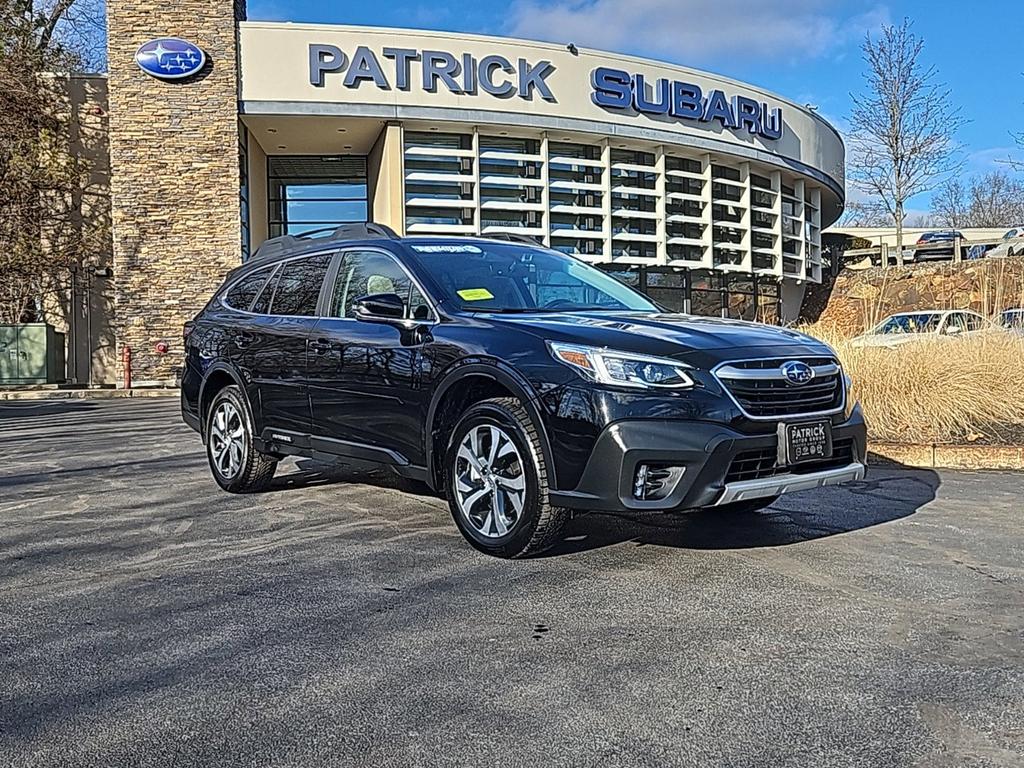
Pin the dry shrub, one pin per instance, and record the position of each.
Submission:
(939, 391)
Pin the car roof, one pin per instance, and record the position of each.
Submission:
(285, 247)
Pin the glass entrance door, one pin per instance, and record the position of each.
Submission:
(308, 193)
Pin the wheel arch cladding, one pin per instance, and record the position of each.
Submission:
(468, 384)
(217, 379)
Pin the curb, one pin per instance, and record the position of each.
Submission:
(86, 394)
(998, 457)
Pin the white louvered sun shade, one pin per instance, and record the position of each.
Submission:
(613, 203)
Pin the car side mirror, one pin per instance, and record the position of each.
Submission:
(380, 308)
(954, 330)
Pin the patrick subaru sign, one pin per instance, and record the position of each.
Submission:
(616, 89)
(613, 90)
(170, 58)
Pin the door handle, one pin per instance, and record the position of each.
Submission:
(321, 346)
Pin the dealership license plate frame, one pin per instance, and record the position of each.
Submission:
(791, 454)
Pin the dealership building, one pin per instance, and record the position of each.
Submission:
(708, 194)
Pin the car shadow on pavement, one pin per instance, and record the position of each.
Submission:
(884, 496)
(314, 473)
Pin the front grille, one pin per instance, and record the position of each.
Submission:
(761, 462)
(763, 393)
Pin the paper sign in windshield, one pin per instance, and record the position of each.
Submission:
(475, 294)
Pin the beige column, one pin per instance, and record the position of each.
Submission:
(386, 178)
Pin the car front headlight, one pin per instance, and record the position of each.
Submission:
(623, 369)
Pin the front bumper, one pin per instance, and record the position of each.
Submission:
(716, 463)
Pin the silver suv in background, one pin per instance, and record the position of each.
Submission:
(907, 327)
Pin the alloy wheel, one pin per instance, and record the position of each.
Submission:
(227, 440)
(490, 481)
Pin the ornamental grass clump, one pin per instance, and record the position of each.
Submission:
(940, 391)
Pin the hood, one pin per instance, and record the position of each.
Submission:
(659, 334)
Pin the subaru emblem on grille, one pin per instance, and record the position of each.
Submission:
(797, 372)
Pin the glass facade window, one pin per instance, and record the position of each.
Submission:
(768, 307)
(668, 288)
(243, 190)
(613, 203)
(312, 193)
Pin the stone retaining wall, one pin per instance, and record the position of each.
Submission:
(861, 299)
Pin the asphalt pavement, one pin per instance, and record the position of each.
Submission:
(149, 619)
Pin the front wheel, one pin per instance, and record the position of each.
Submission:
(236, 464)
(497, 481)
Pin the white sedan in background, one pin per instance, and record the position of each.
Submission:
(907, 327)
(1012, 244)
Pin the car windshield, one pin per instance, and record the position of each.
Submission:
(923, 323)
(500, 277)
(1013, 319)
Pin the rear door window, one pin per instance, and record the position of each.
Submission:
(298, 286)
(241, 294)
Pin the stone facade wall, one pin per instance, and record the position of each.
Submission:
(861, 299)
(174, 160)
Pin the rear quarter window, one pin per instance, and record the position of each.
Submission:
(298, 286)
(242, 293)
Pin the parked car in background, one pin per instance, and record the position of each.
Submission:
(938, 244)
(1012, 244)
(1012, 320)
(907, 327)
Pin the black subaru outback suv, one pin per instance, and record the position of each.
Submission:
(518, 381)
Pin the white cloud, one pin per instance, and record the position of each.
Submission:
(992, 159)
(697, 30)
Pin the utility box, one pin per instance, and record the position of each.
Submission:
(31, 353)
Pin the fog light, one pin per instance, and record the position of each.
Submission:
(653, 482)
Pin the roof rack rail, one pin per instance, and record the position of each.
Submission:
(368, 231)
(513, 237)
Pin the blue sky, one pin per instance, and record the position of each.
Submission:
(806, 50)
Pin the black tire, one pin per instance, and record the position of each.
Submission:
(747, 507)
(538, 525)
(251, 471)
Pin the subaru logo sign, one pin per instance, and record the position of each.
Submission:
(170, 58)
(797, 373)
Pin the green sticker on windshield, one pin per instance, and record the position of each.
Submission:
(475, 294)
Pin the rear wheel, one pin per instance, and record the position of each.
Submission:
(236, 465)
(747, 507)
(497, 481)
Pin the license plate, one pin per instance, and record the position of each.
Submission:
(806, 441)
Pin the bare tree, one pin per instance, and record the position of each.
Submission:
(44, 186)
(993, 200)
(67, 34)
(865, 213)
(902, 126)
(950, 204)
(997, 200)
